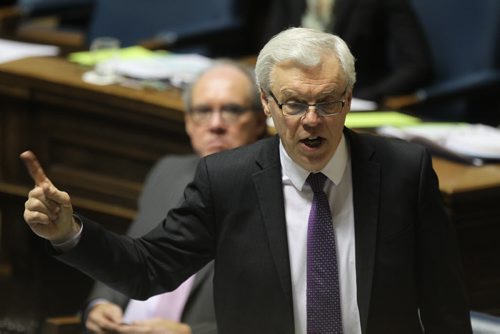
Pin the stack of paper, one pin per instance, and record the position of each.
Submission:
(90, 58)
(177, 69)
(375, 119)
(11, 50)
(140, 64)
(473, 143)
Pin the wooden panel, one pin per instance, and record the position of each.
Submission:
(472, 196)
(63, 325)
(95, 142)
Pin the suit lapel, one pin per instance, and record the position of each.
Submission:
(269, 190)
(366, 192)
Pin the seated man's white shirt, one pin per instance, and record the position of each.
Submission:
(169, 305)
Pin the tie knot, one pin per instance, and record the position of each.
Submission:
(316, 181)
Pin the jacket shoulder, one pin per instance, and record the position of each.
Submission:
(260, 153)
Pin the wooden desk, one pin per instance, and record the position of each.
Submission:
(472, 196)
(95, 142)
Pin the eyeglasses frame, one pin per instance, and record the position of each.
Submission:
(192, 113)
(280, 106)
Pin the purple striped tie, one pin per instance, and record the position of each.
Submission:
(323, 292)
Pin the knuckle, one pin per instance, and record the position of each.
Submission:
(34, 192)
(65, 196)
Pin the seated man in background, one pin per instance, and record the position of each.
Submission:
(223, 111)
(385, 37)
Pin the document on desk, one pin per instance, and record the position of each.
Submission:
(470, 143)
(137, 66)
(375, 119)
(362, 105)
(12, 50)
(90, 58)
(178, 69)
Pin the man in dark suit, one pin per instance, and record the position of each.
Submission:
(227, 86)
(385, 37)
(392, 258)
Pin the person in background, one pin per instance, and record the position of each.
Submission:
(223, 111)
(385, 36)
(319, 229)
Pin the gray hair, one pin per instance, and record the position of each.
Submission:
(304, 46)
(253, 95)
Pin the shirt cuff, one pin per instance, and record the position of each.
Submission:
(91, 305)
(68, 245)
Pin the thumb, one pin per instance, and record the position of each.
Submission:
(62, 201)
(60, 197)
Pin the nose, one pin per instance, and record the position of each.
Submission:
(216, 119)
(311, 117)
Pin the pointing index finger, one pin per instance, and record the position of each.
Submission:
(34, 168)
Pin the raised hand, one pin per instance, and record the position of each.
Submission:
(48, 211)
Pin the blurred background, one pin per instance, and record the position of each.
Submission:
(436, 61)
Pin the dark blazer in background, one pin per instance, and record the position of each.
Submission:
(406, 255)
(163, 190)
(392, 54)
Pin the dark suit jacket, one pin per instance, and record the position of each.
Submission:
(385, 37)
(163, 190)
(406, 255)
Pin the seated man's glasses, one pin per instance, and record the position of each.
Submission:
(296, 108)
(230, 113)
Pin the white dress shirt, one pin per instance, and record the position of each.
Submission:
(298, 198)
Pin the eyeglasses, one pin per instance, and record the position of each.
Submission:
(295, 108)
(230, 113)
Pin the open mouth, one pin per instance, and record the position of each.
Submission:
(312, 142)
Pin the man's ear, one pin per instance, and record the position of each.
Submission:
(265, 103)
(348, 100)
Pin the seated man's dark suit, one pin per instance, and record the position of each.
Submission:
(406, 257)
(392, 55)
(163, 190)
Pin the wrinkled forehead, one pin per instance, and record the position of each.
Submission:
(328, 71)
(225, 84)
(225, 74)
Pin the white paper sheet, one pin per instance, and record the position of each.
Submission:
(467, 140)
(12, 50)
(362, 105)
(178, 69)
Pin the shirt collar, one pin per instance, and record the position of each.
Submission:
(334, 169)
